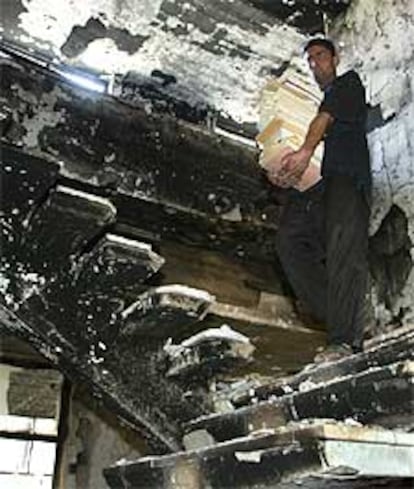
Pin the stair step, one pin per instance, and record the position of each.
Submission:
(375, 393)
(105, 279)
(62, 227)
(397, 345)
(121, 264)
(165, 311)
(298, 452)
(208, 352)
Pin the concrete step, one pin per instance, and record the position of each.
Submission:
(378, 392)
(298, 453)
(395, 346)
(161, 311)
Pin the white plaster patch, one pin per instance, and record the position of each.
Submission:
(229, 83)
(225, 332)
(46, 117)
(52, 22)
(379, 40)
(4, 284)
(105, 56)
(249, 457)
(382, 192)
(234, 215)
(31, 283)
(4, 290)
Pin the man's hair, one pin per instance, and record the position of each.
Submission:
(321, 41)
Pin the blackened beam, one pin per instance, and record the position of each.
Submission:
(55, 349)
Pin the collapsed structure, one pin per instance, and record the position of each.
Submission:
(138, 259)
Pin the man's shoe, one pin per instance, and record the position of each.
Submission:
(332, 353)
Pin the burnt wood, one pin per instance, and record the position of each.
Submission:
(180, 168)
(372, 394)
(206, 354)
(392, 347)
(164, 311)
(65, 280)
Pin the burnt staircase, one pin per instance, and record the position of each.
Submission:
(87, 297)
(91, 190)
(342, 425)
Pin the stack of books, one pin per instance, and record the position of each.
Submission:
(287, 106)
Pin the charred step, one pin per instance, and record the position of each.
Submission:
(298, 453)
(163, 311)
(366, 397)
(207, 353)
(392, 347)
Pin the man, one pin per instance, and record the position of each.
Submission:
(323, 235)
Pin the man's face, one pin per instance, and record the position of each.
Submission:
(322, 64)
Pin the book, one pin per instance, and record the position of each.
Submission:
(287, 107)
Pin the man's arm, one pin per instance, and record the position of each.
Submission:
(295, 163)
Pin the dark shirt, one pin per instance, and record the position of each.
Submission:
(346, 149)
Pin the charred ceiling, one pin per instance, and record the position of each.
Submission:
(82, 36)
(218, 53)
(309, 16)
(212, 56)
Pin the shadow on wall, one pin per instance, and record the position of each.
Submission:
(390, 259)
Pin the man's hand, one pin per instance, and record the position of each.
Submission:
(293, 166)
(273, 166)
(274, 179)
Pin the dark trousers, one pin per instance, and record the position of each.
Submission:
(322, 244)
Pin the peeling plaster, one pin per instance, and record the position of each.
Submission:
(47, 117)
(229, 84)
(81, 36)
(52, 22)
(225, 64)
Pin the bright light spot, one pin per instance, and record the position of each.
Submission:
(84, 82)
